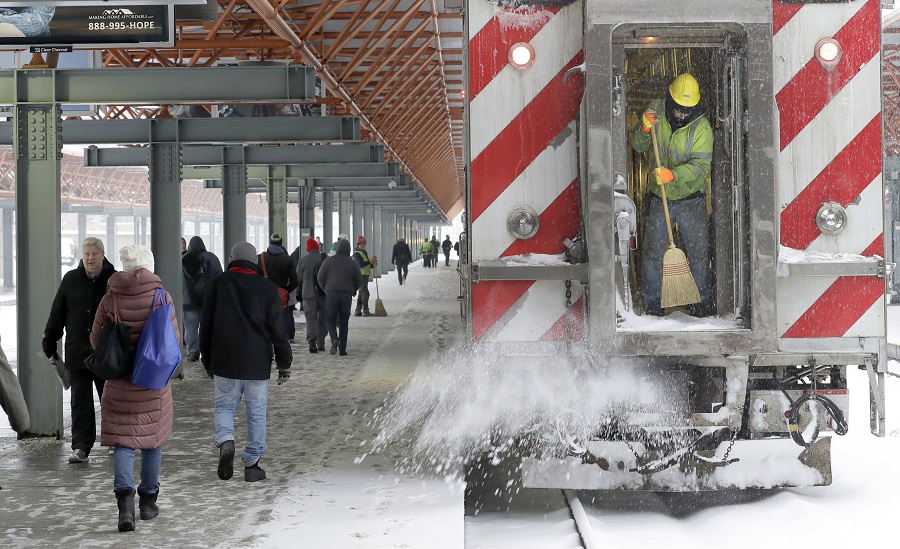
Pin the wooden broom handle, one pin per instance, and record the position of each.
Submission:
(662, 188)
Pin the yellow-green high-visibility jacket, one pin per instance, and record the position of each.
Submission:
(688, 153)
(426, 247)
(365, 267)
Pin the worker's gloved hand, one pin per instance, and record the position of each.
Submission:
(663, 175)
(648, 120)
(284, 376)
(374, 260)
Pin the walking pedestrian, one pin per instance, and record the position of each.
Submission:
(446, 246)
(241, 328)
(426, 253)
(339, 277)
(12, 401)
(73, 310)
(401, 257)
(277, 266)
(134, 418)
(313, 296)
(198, 267)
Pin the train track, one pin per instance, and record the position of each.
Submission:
(501, 514)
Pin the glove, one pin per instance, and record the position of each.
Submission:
(374, 260)
(284, 376)
(49, 348)
(648, 120)
(663, 175)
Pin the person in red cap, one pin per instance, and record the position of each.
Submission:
(313, 295)
(365, 270)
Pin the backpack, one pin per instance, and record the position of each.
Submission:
(197, 284)
(282, 292)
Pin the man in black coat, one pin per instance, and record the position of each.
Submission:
(277, 266)
(241, 326)
(313, 295)
(73, 311)
(340, 278)
(446, 245)
(401, 257)
(198, 267)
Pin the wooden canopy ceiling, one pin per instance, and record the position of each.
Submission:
(397, 64)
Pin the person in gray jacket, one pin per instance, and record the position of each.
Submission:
(339, 277)
(313, 295)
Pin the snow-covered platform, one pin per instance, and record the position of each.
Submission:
(318, 493)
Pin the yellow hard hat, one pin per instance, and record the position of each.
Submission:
(685, 90)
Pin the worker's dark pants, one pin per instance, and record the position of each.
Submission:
(81, 398)
(402, 271)
(693, 226)
(290, 327)
(362, 302)
(446, 259)
(337, 317)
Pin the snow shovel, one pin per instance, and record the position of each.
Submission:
(678, 286)
(379, 305)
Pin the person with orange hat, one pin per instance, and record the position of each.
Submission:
(685, 141)
(361, 256)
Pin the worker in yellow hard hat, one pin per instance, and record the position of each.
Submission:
(685, 139)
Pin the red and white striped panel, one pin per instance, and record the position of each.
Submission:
(522, 154)
(830, 150)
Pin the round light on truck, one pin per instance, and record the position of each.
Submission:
(831, 218)
(828, 52)
(522, 223)
(521, 55)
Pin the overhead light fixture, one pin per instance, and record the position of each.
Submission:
(521, 55)
(828, 52)
(831, 218)
(392, 184)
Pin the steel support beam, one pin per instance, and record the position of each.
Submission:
(165, 216)
(277, 197)
(344, 214)
(380, 174)
(369, 227)
(358, 215)
(234, 208)
(221, 155)
(204, 130)
(160, 85)
(327, 219)
(37, 151)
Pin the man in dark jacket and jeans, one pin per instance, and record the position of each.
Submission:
(313, 296)
(198, 267)
(73, 310)
(339, 277)
(241, 324)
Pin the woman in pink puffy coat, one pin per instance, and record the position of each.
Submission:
(133, 417)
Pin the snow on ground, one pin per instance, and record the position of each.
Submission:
(347, 498)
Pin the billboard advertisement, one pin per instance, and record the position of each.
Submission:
(119, 26)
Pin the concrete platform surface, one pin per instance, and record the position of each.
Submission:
(318, 493)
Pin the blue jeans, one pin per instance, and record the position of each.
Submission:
(337, 317)
(123, 469)
(693, 226)
(192, 331)
(256, 400)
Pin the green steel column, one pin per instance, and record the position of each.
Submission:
(277, 195)
(369, 231)
(37, 148)
(344, 207)
(234, 207)
(377, 246)
(8, 247)
(358, 213)
(110, 243)
(327, 220)
(165, 215)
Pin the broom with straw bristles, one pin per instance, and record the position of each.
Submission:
(379, 305)
(678, 286)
